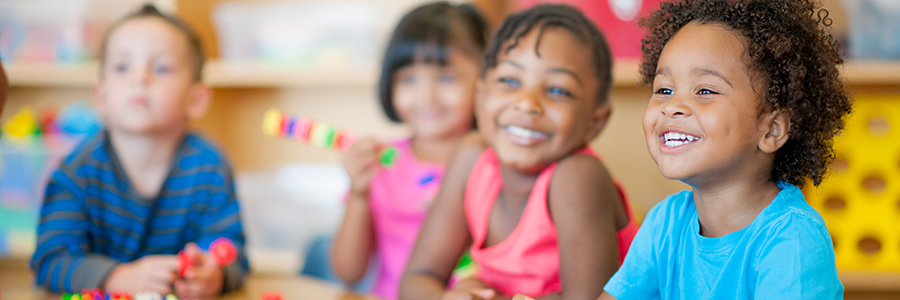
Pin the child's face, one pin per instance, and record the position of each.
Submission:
(148, 84)
(436, 101)
(702, 121)
(535, 108)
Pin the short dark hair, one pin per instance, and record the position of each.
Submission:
(794, 57)
(519, 24)
(426, 33)
(148, 10)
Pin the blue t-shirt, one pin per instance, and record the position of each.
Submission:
(785, 253)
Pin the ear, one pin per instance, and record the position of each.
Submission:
(100, 99)
(775, 126)
(598, 121)
(199, 101)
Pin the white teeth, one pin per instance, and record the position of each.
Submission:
(525, 133)
(675, 139)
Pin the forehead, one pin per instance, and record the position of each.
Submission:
(706, 46)
(150, 34)
(556, 46)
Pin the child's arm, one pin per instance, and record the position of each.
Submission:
(583, 204)
(445, 233)
(221, 218)
(62, 261)
(355, 240)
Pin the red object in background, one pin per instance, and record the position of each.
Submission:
(223, 251)
(617, 19)
(270, 296)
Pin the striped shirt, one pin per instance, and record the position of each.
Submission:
(92, 218)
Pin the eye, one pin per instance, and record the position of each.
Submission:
(161, 69)
(446, 78)
(664, 91)
(706, 92)
(555, 91)
(408, 79)
(509, 82)
(120, 68)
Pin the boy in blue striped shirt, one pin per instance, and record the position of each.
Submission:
(127, 200)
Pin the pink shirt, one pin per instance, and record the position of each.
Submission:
(526, 261)
(399, 198)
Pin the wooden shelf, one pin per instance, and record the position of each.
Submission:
(872, 72)
(255, 75)
(869, 280)
(82, 74)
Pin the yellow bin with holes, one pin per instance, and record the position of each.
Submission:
(860, 198)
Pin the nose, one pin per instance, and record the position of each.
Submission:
(676, 107)
(529, 103)
(141, 76)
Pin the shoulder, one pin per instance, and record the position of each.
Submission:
(468, 151)
(582, 167)
(197, 151)
(91, 151)
(790, 215)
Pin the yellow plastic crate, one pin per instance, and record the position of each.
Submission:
(860, 198)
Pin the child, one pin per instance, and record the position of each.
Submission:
(540, 210)
(427, 81)
(128, 199)
(4, 87)
(746, 100)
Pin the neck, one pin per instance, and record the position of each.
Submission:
(145, 158)
(728, 207)
(517, 186)
(435, 149)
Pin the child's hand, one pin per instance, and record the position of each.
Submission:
(361, 163)
(471, 289)
(154, 273)
(204, 279)
(469, 294)
(522, 297)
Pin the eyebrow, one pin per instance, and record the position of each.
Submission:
(704, 72)
(565, 71)
(514, 64)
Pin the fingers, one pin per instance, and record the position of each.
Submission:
(483, 293)
(361, 164)
(522, 297)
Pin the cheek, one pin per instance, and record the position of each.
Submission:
(651, 114)
(403, 101)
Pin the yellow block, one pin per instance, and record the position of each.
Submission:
(860, 198)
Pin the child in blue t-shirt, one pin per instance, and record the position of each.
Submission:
(746, 101)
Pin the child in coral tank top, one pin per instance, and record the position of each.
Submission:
(543, 215)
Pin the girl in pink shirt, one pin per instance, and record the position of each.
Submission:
(427, 81)
(543, 216)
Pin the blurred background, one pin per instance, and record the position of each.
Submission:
(320, 59)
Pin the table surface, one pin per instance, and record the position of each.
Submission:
(16, 284)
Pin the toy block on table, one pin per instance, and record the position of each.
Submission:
(270, 296)
(222, 250)
(321, 135)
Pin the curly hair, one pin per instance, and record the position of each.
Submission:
(517, 25)
(794, 57)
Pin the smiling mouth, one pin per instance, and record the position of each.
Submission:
(675, 139)
(526, 133)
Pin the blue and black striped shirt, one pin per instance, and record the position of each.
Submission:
(92, 218)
